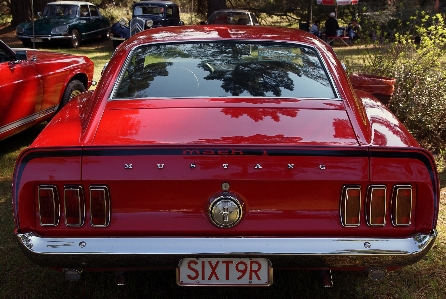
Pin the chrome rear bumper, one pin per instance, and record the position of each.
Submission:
(146, 253)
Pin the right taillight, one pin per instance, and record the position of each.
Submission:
(402, 205)
(99, 206)
(350, 206)
(49, 206)
(376, 206)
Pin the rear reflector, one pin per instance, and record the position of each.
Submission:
(99, 206)
(376, 206)
(350, 206)
(74, 206)
(402, 205)
(49, 206)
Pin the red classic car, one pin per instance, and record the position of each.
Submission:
(36, 84)
(225, 152)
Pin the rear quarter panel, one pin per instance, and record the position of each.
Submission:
(59, 69)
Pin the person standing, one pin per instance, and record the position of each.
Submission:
(315, 28)
(331, 26)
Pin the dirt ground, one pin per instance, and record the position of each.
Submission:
(7, 35)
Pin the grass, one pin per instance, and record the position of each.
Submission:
(21, 279)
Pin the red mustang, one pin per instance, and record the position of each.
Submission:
(35, 84)
(224, 152)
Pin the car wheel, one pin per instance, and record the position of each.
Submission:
(75, 38)
(74, 88)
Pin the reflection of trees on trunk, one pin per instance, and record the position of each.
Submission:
(253, 139)
(260, 114)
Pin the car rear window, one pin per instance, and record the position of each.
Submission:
(223, 69)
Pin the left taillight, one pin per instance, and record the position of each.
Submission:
(49, 205)
(74, 203)
(351, 206)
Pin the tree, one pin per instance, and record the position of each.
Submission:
(21, 11)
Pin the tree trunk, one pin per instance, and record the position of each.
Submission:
(214, 5)
(21, 11)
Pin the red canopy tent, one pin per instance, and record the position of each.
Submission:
(337, 2)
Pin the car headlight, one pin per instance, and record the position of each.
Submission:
(20, 29)
(60, 30)
(149, 23)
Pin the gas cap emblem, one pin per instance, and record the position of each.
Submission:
(225, 211)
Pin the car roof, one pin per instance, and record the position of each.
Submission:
(225, 31)
(155, 2)
(71, 3)
(233, 10)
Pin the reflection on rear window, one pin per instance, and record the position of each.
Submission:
(222, 69)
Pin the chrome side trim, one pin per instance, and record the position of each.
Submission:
(30, 118)
(146, 252)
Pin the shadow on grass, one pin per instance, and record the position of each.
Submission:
(20, 140)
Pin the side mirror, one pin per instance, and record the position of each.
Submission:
(21, 55)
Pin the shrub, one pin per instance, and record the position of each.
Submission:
(415, 59)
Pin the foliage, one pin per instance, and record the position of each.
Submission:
(414, 60)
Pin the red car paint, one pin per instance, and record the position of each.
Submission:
(286, 161)
(31, 89)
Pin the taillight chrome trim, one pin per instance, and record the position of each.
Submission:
(345, 202)
(107, 208)
(369, 205)
(394, 203)
(80, 204)
(56, 204)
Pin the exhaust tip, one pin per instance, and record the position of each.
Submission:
(377, 274)
(326, 278)
(73, 274)
(120, 279)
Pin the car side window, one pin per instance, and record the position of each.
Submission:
(84, 11)
(4, 56)
(94, 11)
(169, 12)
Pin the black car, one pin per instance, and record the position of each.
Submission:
(67, 21)
(233, 17)
(145, 15)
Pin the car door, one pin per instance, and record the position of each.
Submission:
(21, 91)
(86, 25)
(99, 24)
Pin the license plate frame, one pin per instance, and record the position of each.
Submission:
(227, 271)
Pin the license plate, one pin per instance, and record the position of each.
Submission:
(224, 271)
(36, 40)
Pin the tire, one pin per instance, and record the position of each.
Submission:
(74, 88)
(75, 38)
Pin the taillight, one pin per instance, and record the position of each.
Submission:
(376, 206)
(402, 205)
(350, 206)
(49, 206)
(99, 206)
(74, 206)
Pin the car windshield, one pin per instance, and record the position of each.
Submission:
(234, 18)
(66, 11)
(148, 10)
(223, 69)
